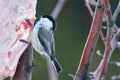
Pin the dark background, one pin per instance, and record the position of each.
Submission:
(73, 25)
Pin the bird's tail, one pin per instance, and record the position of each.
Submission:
(56, 65)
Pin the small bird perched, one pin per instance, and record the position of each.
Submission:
(43, 39)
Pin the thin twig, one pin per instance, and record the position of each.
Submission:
(58, 8)
(109, 46)
(92, 14)
(89, 8)
(115, 77)
(113, 43)
(116, 63)
(52, 74)
(108, 37)
(117, 10)
(82, 70)
(99, 54)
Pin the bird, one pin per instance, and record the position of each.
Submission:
(43, 40)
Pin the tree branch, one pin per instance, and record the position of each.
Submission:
(58, 8)
(54, 14)
(100, 72)
(81, 73)
(24, 68)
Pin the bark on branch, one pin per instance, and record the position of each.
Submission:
(81, 73)
(24, 68)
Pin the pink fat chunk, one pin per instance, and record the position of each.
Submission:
(9, 54)
(17, 28)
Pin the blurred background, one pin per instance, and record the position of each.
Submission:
(73, 25)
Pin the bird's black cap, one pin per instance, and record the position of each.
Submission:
(51, 19)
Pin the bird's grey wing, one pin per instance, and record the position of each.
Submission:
(47, 40)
